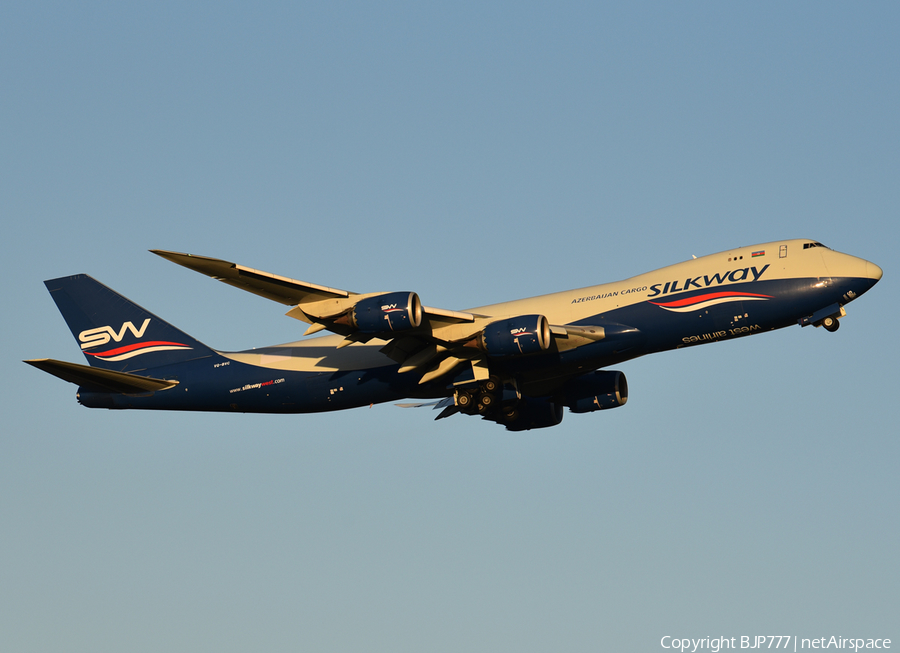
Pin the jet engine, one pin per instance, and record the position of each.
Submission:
(395, 311)
(524, 334)
(595, 391)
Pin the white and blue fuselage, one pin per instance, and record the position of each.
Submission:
(451, 355)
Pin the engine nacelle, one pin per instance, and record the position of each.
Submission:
(395, 311)
(596, 391)
(524, 334)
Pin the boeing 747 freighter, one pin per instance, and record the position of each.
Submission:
(519, 363)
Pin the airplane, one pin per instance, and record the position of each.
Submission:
(519, 363)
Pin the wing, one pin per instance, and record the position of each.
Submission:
(431, 341)
(271, 286)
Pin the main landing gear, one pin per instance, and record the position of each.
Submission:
(490, 397)
(477, 401)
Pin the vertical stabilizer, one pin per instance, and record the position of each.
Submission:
(114, 333)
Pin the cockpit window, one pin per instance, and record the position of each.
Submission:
(808, 245)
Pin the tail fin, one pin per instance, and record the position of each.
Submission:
(115, 333)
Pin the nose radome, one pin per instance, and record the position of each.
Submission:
(873, 271)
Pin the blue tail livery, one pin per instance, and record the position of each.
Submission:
(115, 333)
(519, 363)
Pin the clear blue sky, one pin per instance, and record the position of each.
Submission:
(473, 153)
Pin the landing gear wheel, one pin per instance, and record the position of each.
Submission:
(491, 385)
(485, 402)
(831, 324)
(464, 400)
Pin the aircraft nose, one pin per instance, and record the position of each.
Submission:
(873, 271)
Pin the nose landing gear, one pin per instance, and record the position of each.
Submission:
(831, 324)
(827, 317)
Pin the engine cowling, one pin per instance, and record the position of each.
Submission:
(595, 391)
(516, 336)
(395, 311)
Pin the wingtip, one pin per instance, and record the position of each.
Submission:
(193, 261)
(167, 254)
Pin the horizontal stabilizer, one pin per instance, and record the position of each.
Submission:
(101, 380)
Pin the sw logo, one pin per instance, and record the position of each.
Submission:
(102, 335)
